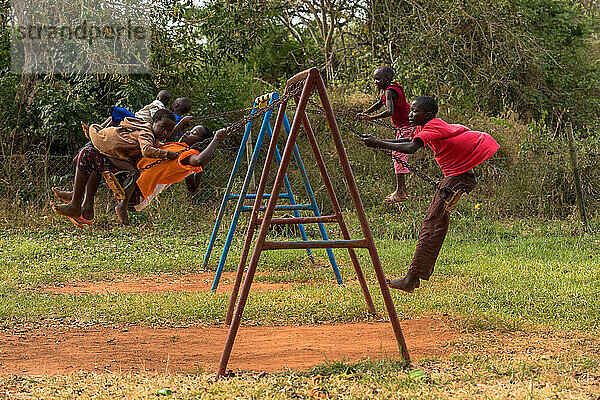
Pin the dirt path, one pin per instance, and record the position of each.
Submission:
(136, 348)
(159, 284)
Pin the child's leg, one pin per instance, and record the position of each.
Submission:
(401, 193)
(87, 207)
(435, 225)
(401, 190)
(73, 208)
(121, 208)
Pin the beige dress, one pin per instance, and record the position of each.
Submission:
(130, 141)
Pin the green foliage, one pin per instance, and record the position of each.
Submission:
(516, 69)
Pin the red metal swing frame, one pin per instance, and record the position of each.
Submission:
(312, 80)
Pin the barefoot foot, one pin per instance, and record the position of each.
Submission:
(67, 210)
(409, 283)
(87, 212)
(62, 194)
(121, 211)
(395, 197)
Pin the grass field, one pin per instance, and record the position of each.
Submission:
(524, 296)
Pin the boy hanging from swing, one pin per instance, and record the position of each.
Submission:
(180, 107)
(397, 108)
(193, 152)
(457, 150)
(124, 146)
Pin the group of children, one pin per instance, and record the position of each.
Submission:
(457, 150)
(129, 142)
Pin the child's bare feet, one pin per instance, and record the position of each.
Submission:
(87, 211)
(121, 211)
(409, 283)
(67, 210)
(62, 194)
(396, 197)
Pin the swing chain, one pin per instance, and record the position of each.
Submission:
(413, 169)
(223, 114)
(152, 164)
(405, 164)
(371, 121)
(291, 91)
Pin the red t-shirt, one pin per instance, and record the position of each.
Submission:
(457, 149)
(401, 106)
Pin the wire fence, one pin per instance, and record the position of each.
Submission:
(509, 185)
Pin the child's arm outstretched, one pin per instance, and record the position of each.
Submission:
(408, 146)
(202, 158)
(390, 96)
(181, 125)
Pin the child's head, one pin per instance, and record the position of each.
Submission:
(422, 110)
(163, 122)
(164, 96)
(197, 134)
(181, 106)
(383, 76)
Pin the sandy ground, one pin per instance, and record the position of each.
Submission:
(60, 350)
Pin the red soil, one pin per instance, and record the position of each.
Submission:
(159, 284)
(60, 350)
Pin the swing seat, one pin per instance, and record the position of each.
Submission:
(114, 185)
(453, 200)
(119, 182)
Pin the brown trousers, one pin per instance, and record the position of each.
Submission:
(435, 224)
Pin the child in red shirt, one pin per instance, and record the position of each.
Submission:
(397, 108)
(457, 150)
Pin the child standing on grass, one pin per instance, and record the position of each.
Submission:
(124, 146)
(457, 150)
(397, 108)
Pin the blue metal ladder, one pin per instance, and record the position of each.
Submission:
(240, 207)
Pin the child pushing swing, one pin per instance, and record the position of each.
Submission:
(397, 108)
(457, 151)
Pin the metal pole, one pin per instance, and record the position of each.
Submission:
(255, 210)
(362, 217)
(227, 195)
(264, 228)
(576, 175)
(313, 202)
(338, 212)
(241, 199)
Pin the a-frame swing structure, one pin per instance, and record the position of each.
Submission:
(265, 131)
(306, 81)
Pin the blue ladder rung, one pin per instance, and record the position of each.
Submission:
(308, 207)
(265, 196)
